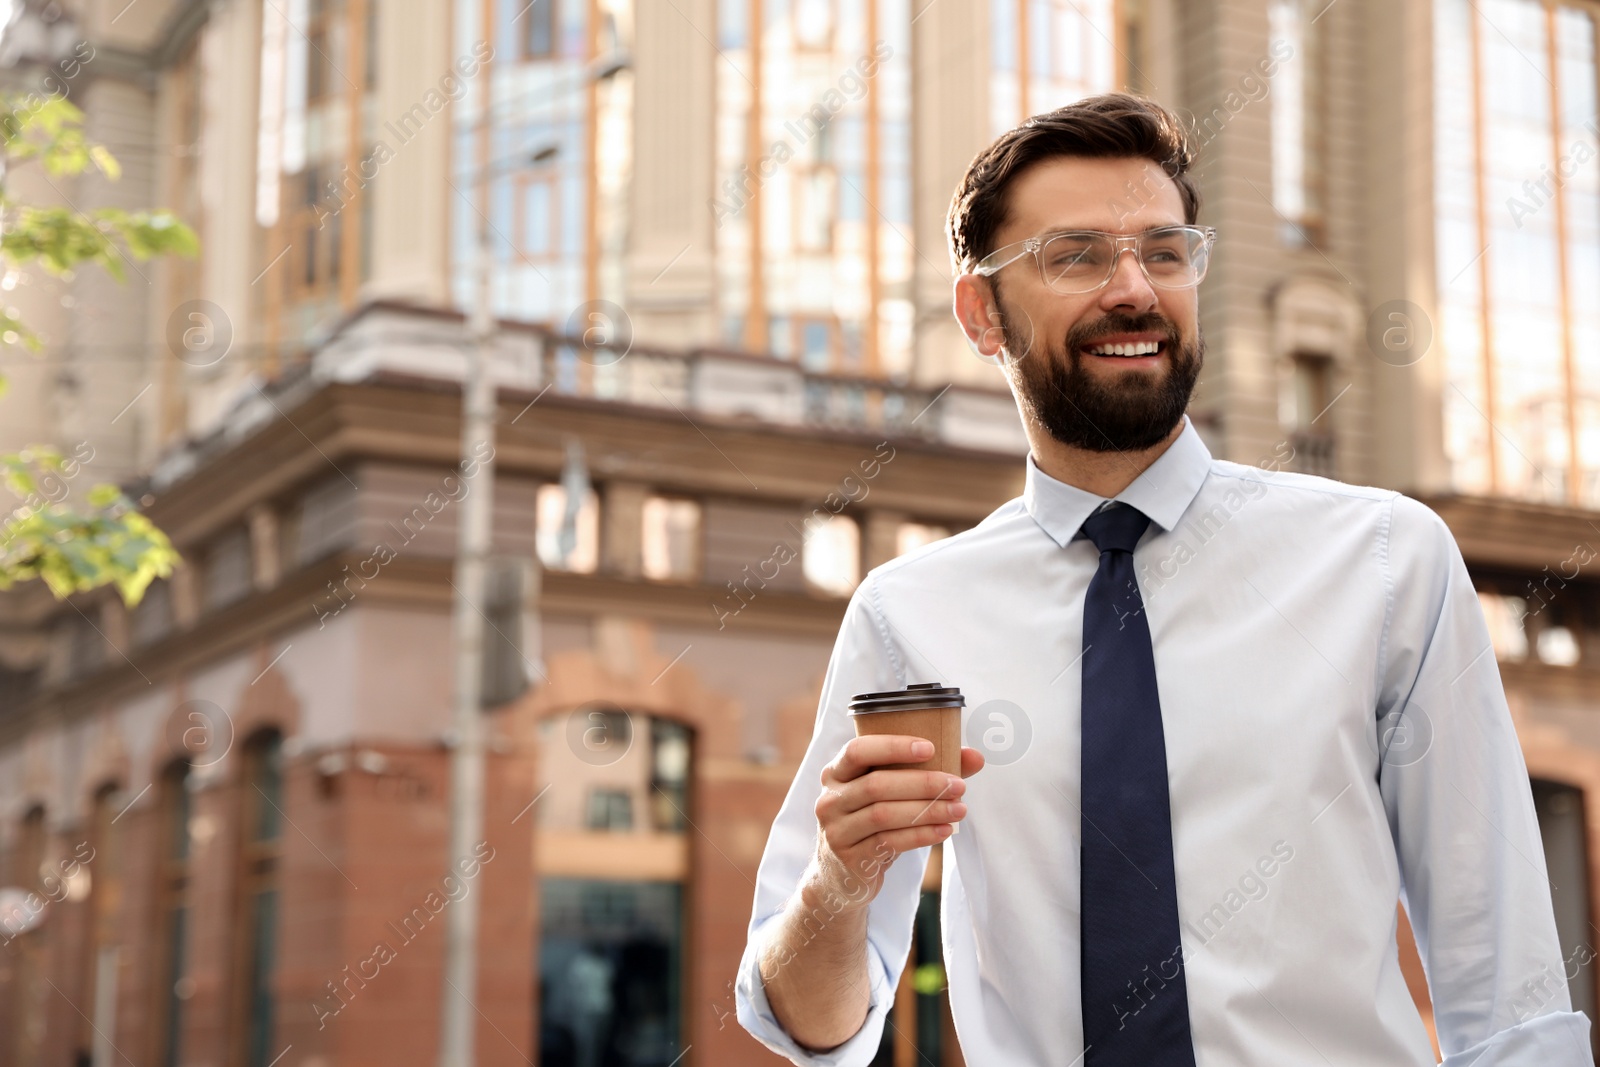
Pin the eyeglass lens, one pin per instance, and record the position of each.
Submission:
(1079, 262)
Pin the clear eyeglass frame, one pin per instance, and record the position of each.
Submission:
(1203, 237)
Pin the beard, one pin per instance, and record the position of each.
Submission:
(1128, 412)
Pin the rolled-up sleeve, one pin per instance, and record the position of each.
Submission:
(1461, 812)
(863, 660)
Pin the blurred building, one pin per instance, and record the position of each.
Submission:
(729, 384)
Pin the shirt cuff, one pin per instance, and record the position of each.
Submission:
(755, 1013)
(1557, 1039)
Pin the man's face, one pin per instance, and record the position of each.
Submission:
(1055, 345)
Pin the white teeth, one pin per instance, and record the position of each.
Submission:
(1139, 348)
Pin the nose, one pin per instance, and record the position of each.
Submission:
(1128, 288)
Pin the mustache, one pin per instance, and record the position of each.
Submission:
(1084, 334)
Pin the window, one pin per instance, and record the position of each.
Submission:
(172, 985)
(1299, 120)
(326, 522)
(1564, 831)
(1558, 646)
(671, 539)
(812, 193)
(669, 775)
(611, 981)
(816, 344)
(1313, 389)
(831, 555)
(610, 809)
(613, 860)
(151, 618)
(1517, 224)
(103, 870)
(1505, 617)
(261, 813)
(538, 215)
(567, 534)
(815, 207)
(29, 951)
(86, 647)
(813, 24)
(910, 536)
(227, 573)
(539, 33)
(371, 53)
(558, 142)
(1045, 54)
(314, 162)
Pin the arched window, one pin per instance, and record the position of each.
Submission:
(613, 865)
(172, 986)
(260, 836)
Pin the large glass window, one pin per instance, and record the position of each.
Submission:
(1299, 120)
(610, 960)
(317, 154)
(543, 151)
(1517, 218)
(1044, 54)
(613, 866)
(813, 182)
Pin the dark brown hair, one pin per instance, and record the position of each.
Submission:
(1109, 126)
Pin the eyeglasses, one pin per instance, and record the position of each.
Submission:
(1081, 261)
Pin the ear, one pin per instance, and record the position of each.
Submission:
(978, 314)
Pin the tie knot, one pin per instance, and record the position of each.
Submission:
(1116, 528)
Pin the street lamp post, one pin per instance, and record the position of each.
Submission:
(473, 541)
(467, 771)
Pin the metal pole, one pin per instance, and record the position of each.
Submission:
(459, 994)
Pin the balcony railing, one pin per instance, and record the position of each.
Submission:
(720, 383)
(736, 385)
(1314, 453)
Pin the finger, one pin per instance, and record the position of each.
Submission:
(887, 785)
(972, 762)
(895, 815)
(911, 838)
(862, 754)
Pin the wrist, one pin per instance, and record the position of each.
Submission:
(829, 887)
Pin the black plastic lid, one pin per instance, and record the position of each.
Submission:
(921, 695)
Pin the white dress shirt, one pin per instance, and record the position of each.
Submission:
(1337, 739)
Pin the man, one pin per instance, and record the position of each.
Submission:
(1259, 708)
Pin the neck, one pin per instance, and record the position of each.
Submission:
(1102, 473)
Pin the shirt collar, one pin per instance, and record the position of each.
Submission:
(1163, 492)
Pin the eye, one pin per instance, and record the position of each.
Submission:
(1065, 252)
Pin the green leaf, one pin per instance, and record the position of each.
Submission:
(104, 540)
(105, 161)
(73, 551)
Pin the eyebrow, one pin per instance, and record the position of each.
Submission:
(1052, 230)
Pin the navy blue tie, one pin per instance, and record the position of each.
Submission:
(1135, 1003)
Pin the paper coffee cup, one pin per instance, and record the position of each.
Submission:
(928, 709)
